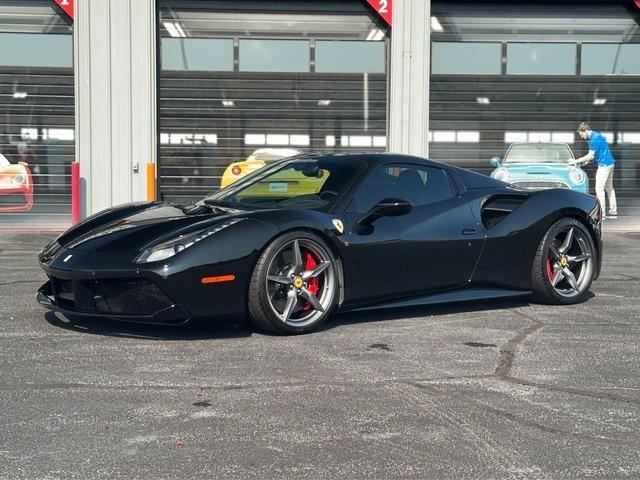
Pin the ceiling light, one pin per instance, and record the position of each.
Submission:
(174, 29)
(20, 94)
(228, 103)
(375, 35)
(436, 26)
(483, 100)
(599, 101)
(324, 103)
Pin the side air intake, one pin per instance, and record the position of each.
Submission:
(497, 208)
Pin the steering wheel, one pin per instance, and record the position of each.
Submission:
(328, 193)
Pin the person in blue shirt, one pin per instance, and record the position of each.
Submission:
(599, 151)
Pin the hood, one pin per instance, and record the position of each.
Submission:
(538, 168)
(133, 226)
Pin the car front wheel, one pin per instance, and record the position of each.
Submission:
(294, 286)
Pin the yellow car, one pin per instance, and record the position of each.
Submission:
(256, 160)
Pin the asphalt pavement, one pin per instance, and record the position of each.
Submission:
(481, 390)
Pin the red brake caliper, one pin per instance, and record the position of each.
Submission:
(549, 266)
(312, 283)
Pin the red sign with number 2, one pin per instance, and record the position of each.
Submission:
(67, 6)
(383, 7)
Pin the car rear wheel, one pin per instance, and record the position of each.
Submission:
(294, 285)
(564, 265)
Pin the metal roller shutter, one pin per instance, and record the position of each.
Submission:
(231, 84)
(504, 72)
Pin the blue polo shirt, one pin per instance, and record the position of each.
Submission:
(598, 144)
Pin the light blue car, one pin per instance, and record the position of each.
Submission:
(540, 166)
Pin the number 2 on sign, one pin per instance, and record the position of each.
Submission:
(383, 6)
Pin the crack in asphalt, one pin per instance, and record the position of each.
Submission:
(525, 421)
(508, 353)
(510, 348)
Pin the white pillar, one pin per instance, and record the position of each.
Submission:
(409, 92)
(115, 91)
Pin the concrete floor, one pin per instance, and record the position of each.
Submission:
(482, 390)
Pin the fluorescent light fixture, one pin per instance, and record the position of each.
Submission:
(375, 35)
(29, 133)
(174, 29)
(430, 136)
(360, 141)
(380, 142)
(277, 139)
(539, 136)
(483, 100)
(228, 103)
(324, 103)
(58, 134)
(344, 141)
(444, 136)
(299, 140)
(610, 136)
(20, 95)
(629, 137)
(515, 137)
(330, 141)
(468, 137)
(188, 138)
(436, 26)
(599, 101)
(254, 139)
(562, 137)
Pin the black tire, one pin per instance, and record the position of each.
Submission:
(259, 306)
(542, 279)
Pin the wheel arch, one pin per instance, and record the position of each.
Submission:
(326, 238)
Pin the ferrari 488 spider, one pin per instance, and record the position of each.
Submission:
(370, 231)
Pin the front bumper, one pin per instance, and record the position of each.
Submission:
(16, 199)
(101, 298)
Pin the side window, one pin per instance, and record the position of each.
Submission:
(419, 185)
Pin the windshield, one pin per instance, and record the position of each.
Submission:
(538, 153)
(311, 183)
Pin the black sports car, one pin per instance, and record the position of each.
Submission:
(304, 236)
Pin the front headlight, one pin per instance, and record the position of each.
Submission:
(577, 176)
(501, 174)
(170, 248)
(18, 180)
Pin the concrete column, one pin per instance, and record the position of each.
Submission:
(409, 92)
(115, 82)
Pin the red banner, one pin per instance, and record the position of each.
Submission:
(384, 9)
(67, 6)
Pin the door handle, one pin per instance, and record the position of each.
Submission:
(469, 231)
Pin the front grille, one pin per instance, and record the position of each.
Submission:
(12, 200)
(121, 296)
(541, 185)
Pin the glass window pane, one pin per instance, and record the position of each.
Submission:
(274, 56)
(203, 54)
(466, 58)
(611, 59)
(541, 59)
(36, 50)
(350, 57)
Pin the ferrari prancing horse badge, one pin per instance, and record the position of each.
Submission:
(338, 224)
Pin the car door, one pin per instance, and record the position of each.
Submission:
(433, 247)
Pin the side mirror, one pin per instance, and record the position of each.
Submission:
(495, 161)
(389, 207)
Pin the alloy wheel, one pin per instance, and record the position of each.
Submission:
(570, 262)
(300, 282)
